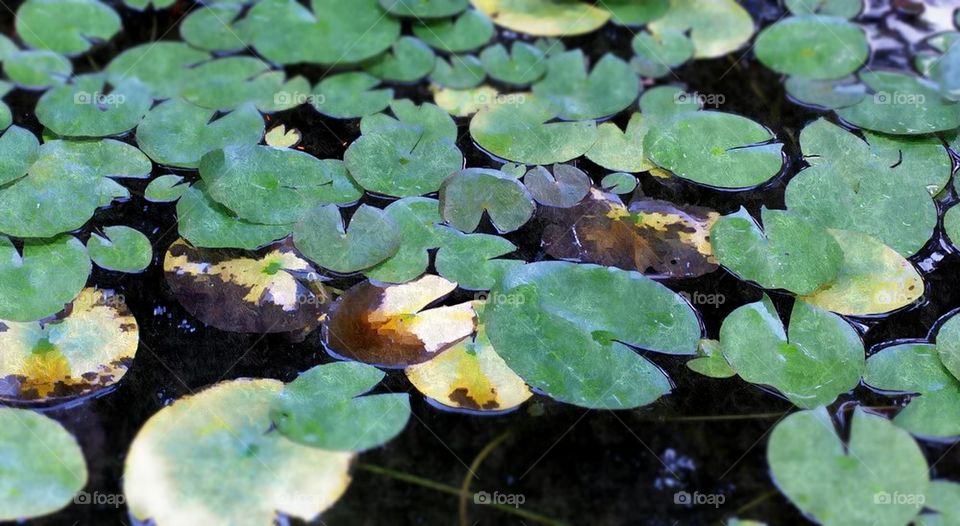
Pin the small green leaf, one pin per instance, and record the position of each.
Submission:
(37, 69)
(121, 248)
(165, 189)
(371, 238)
(43, 278)
(459, 72)
(523, 66)
(350, 95)
(467, 194)
(408, 61)
(84, 108)
(565, 187)
(466, 33)
(609, 87)
(69, 27)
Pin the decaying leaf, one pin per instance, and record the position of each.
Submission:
(271, 290)
(388, 326)
(652, 236)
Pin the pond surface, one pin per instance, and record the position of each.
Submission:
(571, 465)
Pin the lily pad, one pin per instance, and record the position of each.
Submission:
(574, 347)
(165, 189)
(632, 13)
(281, 137)
(210, 458)
(902, 104)
(934, 410)
(409, 60)
(545, 17)
(178, 133)
(464, 102)
(459, 72)
(37, 69)
(827, 94)
(608, 88)
(87, 347)
(391, 326)
(842, 8)
(38, 281)
(622, 150)
(467, 194)
(207, 224)
(948, 344)
(69, 27)
(786, 47)
(424, 8)
(83, 108)
(324, 408)
(465, 33)
(161, 66)
(272, 290)
(469, 259)
(523, 66)
(850, 484)
(619, 183)
(120, 248)
(563, 188)
(790, 253)
(43, 465)
(710, 361)
(350, 95)
(821, 357)
(371, 238)
(716, 27)
(417, 219)
(211, 28)
(657, 55)
(227, 83)
(19, 149)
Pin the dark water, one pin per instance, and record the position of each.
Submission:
(571, 465)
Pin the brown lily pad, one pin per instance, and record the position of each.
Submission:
(389, 325)
(85, 348)
(651, 236)
(271, 290)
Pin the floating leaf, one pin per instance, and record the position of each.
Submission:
(786, 47)
(565, 187)
(161, 66)
(323, 408)
(37, 69)
(85, 348)
(652, 236)
(417, 219)
(207, 224)
(121, 248)
(390, 326)
(227, 83)
(19, 149)
(827, 94)
(850, 484)
(178, 133)
(465, 33)
(350, 95)
(873, 278)
(657, 54)
(942, 496)
(424, 8)
(619, 183)
(934, 411)
(841, 8)
(459, 72)
(210, 458)
(211, 28)
(467, 194)
(519, 129)
(544, 17)
(948, 344)
(464, 102)
(901, 104)
(715, 149)
(43, 465)
(83, 108)
(165, 189)
(821, 358)
(523, 66)
(469, 260)
(371, 238)
(281, 137)
(716, 27)
(710, 361)
(555, 324)
(621, 150)
(470, 376)
(632, 13)
(609, 88)
(409, 60)
(790, 253)
(69, 27)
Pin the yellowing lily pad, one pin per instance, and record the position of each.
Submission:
(547, 18)
(390, 325)
(275, 290)
(85, 348)
(212, 459)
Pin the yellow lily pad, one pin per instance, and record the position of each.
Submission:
(471, 376)
(83, 349)
(464, 102)
(273, 290)
(387, 325)
(212, 459)
(280, 137)
(546, 18)
(873, 278)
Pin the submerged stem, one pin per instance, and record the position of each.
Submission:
(471, 472)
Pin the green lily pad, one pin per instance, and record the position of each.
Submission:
(622, 150)
(951, 225)
(371, 238)
(211, 458)
(715, 149)
(467, 194)
(459, 72)
(790, 253)
(225, 84)
(161, 66)
(178, 133)
(471, 259)
(657, 54)
(619, 183)
(827, 94)
(165, 189)
(710, 361)
(324, 408)
(87, 347)
(331, 32)
(716, 28)
(272, 186)
(207, 224)
(577, 351)
(121, 248)
(852, 484)
(942, 496)
(417, 219)
(408, 61)
(211, 28)
(407, 156)
(565, 187)
(19, 149)
(948, 344)
(37, 69)
(424, 8)
(519, 129)
(608, 88)
(934, 411)
(821, 357)
(545, 17)
(44, 466)
(632, 13)
(523, 66)
(901, 104)
(465, 33)
(842, 8)
(41, 279)
(83, 108)
(350, 95)
(69, 27)
(786, 47)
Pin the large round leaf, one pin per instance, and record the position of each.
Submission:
(902, 104)
(69, 27)
(609, 87)
(716, 27)
(839, 48)
(545, 17)
(38, 282)
(83, 108)
(205, 223)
